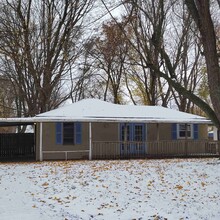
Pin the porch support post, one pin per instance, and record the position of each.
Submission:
(158, 133)
(90, 141)
(186, 139)
(41, 142)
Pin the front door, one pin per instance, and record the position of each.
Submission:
(132, 136)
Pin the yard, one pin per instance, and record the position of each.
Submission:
(126, 189)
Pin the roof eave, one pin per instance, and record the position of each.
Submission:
(26, 121)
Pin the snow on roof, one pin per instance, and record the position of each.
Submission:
(101, 111)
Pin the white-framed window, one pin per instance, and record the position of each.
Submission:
(184, 131)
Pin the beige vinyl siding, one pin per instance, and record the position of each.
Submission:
(101, 132)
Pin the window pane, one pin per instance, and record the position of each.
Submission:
(68, 133)
(125, 133)
(183, 132)
(138, 133)
(182, 127)
(189, 133)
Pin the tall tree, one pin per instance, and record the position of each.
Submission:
(38, 47)
(167, 49)
(200, 11)
(7, 99)
(148, 21)
(110, 52)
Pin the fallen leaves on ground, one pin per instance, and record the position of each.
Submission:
(129, 189)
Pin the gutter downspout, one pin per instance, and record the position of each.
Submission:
(41, 142)
(158, 134)
(90, 141)
(186, 139)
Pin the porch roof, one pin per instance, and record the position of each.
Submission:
(93, 110)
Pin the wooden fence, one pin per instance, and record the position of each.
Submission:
(17, 146)
(154, 149)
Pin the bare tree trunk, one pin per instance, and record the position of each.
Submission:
(200, 10)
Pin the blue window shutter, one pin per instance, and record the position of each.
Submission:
(196, 131)
(59, 134)
(174, 131)
(78, 133)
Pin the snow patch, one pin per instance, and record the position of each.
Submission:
(129, 189)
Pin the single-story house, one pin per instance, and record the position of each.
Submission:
(95, 129)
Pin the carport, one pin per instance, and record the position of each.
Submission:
(16, 146)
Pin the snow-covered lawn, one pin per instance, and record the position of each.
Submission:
(127, 189)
